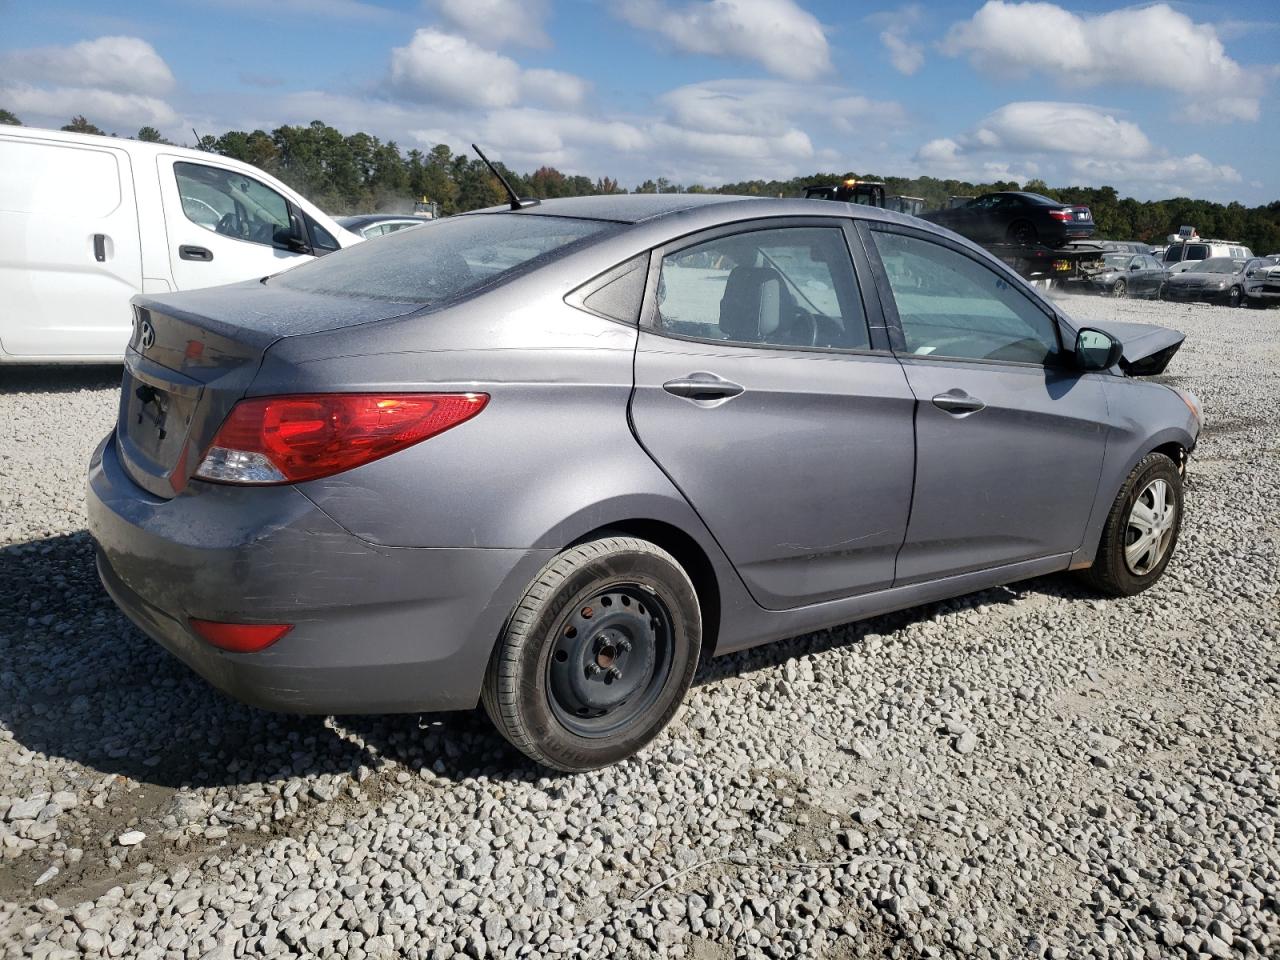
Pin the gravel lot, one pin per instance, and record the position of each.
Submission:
(1022, 772)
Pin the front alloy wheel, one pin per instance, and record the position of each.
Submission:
(1141, 529)
(1233, 298)
(1152, 520)
(1121, 289)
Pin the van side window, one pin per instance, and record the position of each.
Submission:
(232, 204)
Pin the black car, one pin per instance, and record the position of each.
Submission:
(1015, 217)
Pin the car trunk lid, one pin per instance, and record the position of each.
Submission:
(193, 355)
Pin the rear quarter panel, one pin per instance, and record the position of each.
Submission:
(550, 458)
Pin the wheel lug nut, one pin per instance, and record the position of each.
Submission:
(615, 673)
(593, 669)
(624, 644)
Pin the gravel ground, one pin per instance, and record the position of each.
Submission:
(1028, 771)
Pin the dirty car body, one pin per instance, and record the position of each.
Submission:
(821, 432)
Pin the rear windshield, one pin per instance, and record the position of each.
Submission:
(1218, 265)
(443, 260)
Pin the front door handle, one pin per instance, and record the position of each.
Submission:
(100, 247)
(703, 387)
(188, 252)
(958, 403)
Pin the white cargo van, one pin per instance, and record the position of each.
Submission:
(1182, 255)
(87, 221)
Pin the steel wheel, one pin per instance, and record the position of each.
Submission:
(612, 658)
(1150, 527)
(1121, 289)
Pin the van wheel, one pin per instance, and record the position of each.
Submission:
(1141, 529)
(597, 656)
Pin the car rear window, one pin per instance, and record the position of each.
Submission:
(451, 259)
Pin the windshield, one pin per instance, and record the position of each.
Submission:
(1117, 261)
(455, 257)
(1217, 265)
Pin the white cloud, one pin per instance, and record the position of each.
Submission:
(1046, 127)
(906, 56)
(1153, 46)
(438, 67)
(497, 23)
(778, 34)
(554, 88)
(1064, 141)
(114, 112)
(120, 64)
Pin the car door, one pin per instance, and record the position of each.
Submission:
(70, 253)
(1153, 274)
(761, 393)
(1009, 435)
(224, 226)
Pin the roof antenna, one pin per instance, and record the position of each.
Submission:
(198, 141)
(513, 199)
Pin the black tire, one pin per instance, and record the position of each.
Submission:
(1022, 233)
(1111, 572)
(1160, 292)
(545, 689)
(1121, 289)
(1234, 297)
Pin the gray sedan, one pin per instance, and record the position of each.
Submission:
(542, 458)
(1129, 275)
(1217, 280)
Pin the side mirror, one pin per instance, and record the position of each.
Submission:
(1136, 266)
(1096, 350)
(293, 239)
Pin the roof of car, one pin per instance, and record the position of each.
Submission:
(364, 219)
(625, 207)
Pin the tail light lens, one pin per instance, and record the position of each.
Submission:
(268, 440)
(1063, 215)
(240, 637)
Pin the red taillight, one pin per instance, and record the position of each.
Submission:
(240, 637)
(291, 439)
(1063, 215)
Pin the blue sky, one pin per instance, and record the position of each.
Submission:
(1157, 100)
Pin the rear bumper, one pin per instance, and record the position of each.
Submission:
(377, 629)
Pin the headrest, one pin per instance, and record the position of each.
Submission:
(751, 308)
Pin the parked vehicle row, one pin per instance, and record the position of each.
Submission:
(771, 448)
(86, 222)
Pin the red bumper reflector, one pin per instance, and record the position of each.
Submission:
(240, 637)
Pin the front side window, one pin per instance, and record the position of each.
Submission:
(952, 306)
(786, 287)
(1197, 251)
(232, 204)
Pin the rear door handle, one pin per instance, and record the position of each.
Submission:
(958, 403)
(187, 252)
(703, 387)
(100, 247)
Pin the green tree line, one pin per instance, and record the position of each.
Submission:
(359, 173)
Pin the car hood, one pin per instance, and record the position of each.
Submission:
(1147, 348)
